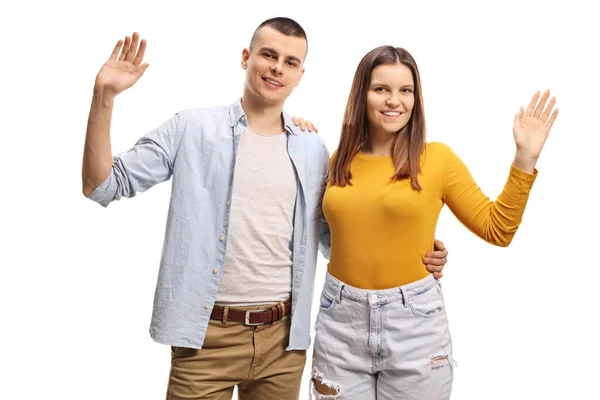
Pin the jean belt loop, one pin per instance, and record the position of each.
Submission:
(404, 297)
(225, 315)
(338, 294)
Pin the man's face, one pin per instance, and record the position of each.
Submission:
(274, 65)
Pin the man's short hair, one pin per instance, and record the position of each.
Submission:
(284, 25)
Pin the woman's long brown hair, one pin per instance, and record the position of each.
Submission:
(409, 142)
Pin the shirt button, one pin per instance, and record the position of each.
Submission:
(228, 203)
(216, 271)
(206, 306)
(222, 238)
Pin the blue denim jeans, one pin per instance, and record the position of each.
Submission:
(383, 344)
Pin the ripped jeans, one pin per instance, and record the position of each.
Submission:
(382, 344)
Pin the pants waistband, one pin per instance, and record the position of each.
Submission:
(336, 289)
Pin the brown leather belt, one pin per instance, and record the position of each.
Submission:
(252, 317)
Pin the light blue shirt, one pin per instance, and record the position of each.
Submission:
(197, 148)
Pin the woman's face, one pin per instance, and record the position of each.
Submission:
(390, 98)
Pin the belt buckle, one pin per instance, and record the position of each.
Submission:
(247, 319)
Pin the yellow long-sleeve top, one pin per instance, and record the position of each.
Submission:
(381, 229)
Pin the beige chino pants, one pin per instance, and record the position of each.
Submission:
(253, 358)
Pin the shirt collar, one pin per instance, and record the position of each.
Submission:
(236, 113)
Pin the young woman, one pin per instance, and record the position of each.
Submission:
(381, 331)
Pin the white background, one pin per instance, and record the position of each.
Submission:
(77, 281)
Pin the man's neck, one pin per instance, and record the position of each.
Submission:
(263, 118)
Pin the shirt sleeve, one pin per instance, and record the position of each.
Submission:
(148, 162)
(495, 222)
(325, 239)
(325, 233)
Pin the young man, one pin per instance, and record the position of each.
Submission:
(235, 285)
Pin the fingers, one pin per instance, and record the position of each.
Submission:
(302, 124)
(142, 68)
(140, 54)
(434, 268)
(438, 257)
(532, 104)
(133, 48)
(439, 245)
(440, 254)
(115, 52)
(125, 48)
(520, 113)
(548, 109)
(552, 118)
(129, 50)
(311, 127)
(541, 111)
(540, 107)
(519, 116)
(435, 260)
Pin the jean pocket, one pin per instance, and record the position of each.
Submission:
(326, 302)
(429, 303)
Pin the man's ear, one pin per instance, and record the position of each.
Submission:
(300, 77)
(245, 57)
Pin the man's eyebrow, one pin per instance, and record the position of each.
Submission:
(294, 58)
(272, 51)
